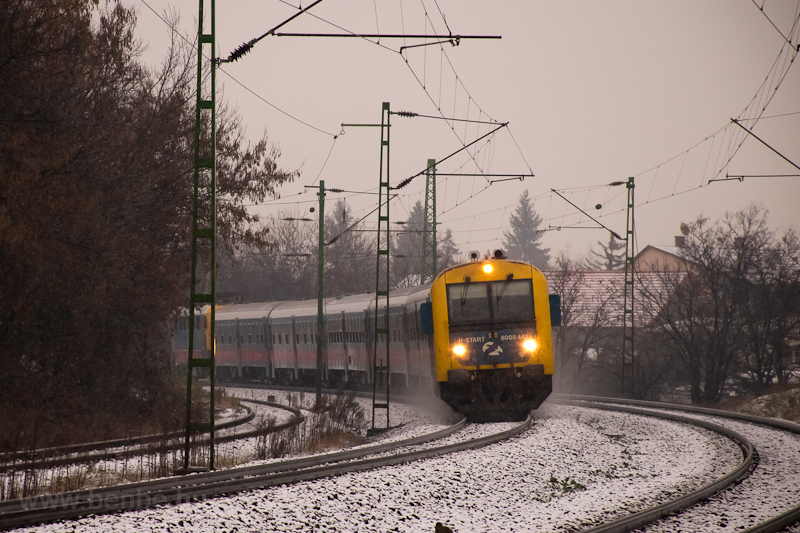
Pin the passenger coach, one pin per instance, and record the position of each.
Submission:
(479, 336)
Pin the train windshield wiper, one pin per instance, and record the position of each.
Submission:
(464, 291)
(503, 288)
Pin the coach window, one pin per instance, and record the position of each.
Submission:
(305, 338)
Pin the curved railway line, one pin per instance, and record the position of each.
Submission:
(130, 447)
(18, 513)
(716, 490)
(196, 487)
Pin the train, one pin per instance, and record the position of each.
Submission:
(478, 337)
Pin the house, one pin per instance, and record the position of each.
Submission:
(658, 257)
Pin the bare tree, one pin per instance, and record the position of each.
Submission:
(349, 254)
(729, 314)
(585, 342)
(772, 312)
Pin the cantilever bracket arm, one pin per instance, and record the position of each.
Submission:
(614, 233)
(765, 144)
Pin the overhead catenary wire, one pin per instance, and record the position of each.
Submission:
(785, 38)
(248, 89)
(752, 113)
(458, 82)
(409, 179)
(246, 47)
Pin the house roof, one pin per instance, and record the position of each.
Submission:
(594, 298)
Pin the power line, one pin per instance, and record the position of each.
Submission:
(246, 47)
(761, 8)
(752, 113)
(408, 180)
(765, 144)
(251, 91)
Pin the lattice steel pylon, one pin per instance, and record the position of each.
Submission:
(429, 257)
(628, 315)
(204, 233)
(381, 370)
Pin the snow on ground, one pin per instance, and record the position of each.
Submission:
(771, 489)
(573, 468)
(407, 421)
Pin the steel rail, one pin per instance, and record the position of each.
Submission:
(193, 487)
(7, 458)
(49, 457)
(636, 520)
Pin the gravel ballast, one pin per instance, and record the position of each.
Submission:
(572, 469)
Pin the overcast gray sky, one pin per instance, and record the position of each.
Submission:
(593, 91)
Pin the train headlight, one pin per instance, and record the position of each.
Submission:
(487, 268)
(530, 345)
(459, 350)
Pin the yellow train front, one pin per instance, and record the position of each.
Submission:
(493, 350)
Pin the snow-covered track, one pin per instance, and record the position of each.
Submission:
(735, 501)
(130, 447)
(196, 487)
(69, 454)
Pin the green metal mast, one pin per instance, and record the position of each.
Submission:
(628, 324)
(382, 330)
(204, 234)
(321, 338)
(429, 258)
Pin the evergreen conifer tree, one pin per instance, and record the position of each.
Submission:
(612, 257)
(522, 241)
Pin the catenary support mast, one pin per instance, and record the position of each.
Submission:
(380, 359)
(429, 258)
(628, 308)
(204, 237)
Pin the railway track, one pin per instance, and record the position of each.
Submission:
(725, 492)
(195, 487)
(739, 480)
(134, 446)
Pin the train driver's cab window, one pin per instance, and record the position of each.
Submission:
(467, 302)
(496, 301)
(512, 300)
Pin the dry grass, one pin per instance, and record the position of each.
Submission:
(334, 440)
(223, 400)
(331, 425)
(784, 404)
(781, 402)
